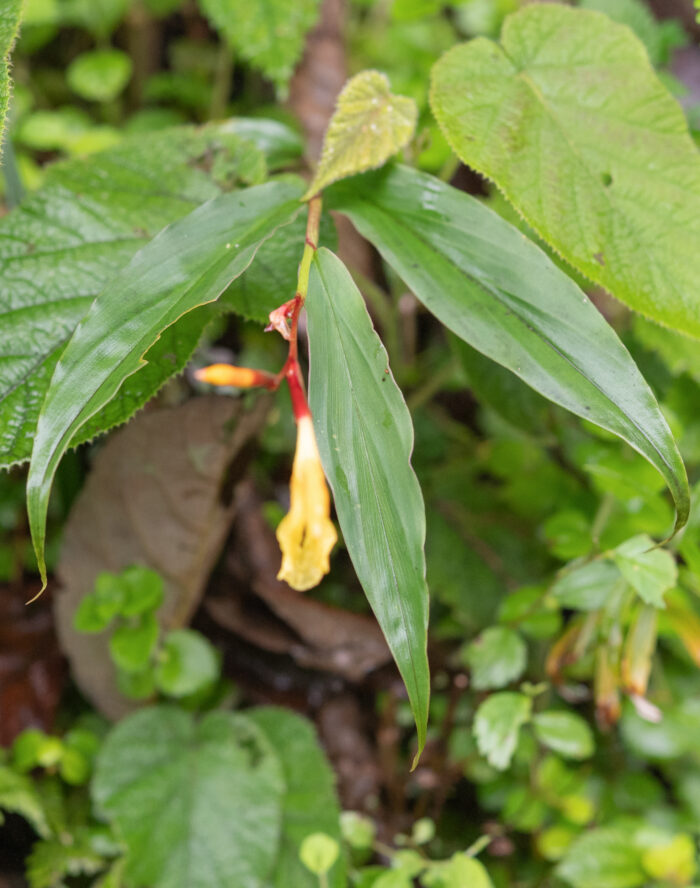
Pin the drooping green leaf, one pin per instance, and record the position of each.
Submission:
(569, 119)
(365, 438)
(369, 126)
(310, 803)
(188, 264)
(10, 14)
(564, 732)
(649, 571)
(496, 657)
(61, 247)
(270, 37)
(497, 724)
(603, 858)
(501, 294)
(197, 803)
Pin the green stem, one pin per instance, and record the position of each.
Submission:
(605, 510)
(222, 82)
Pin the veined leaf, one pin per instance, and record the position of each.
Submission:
(60, 248)
(198, 803)
(369, 126)
(188, 264)
(310, 804)
(10, 14)
(365, 437)
(270, 37)
(569, 119)
(500, 293)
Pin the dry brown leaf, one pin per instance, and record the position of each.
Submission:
(153, 498)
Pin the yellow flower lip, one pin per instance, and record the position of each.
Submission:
(306, 534)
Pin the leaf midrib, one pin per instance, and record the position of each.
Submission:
(360, 415)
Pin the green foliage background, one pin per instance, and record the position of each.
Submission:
(561, 734)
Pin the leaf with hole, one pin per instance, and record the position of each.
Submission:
(570, 120)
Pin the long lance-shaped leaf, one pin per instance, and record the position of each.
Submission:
(365, 437)
(500, 293)
(188, 264)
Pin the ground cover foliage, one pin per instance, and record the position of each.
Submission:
(479, 663)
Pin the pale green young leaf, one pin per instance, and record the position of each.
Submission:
(269, 34)
(190, 263)
(369, 126)
(603, 858)
(569, 119)
(497, 724)
(496, 657)
(500, 293)
(365, 437)
(99, 75)
(198, 804)
(588, 586)
(650, 571)
(564, 732)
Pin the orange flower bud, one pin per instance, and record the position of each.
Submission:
(227, 374)
(306, 534)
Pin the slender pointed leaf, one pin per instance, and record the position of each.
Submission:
(570, 120)
(365, 437)
(500, 293)
(188, 264)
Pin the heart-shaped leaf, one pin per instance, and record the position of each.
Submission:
(570, 120)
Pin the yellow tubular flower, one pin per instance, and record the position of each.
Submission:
(306, 534)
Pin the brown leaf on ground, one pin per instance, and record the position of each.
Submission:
(314, 634)
(156, 496)
(32, 670)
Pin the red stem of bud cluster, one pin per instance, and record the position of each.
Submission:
(287, 313)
